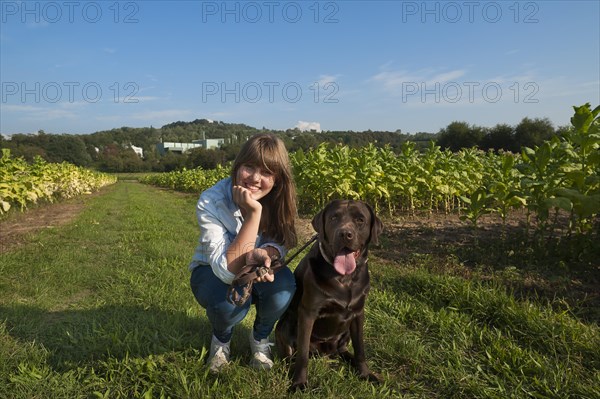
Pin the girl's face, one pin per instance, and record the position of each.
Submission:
(255, 179)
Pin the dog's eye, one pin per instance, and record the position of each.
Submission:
(359, 220)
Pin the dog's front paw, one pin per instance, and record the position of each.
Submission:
(298, 386)
(365, 374)
(372, 377)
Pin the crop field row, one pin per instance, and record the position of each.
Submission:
(562, 174)
(23, 184)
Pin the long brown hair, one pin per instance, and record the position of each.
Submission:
(278, 220)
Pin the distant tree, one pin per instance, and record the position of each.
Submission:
(500, 137)
(28, 145)
(66, 147)
(424, 136)
(23, 149)
(172, 161)
(29, 152)
(533, 132)
(151, 159)
(304, 141)
(109, 160)
(561, 130)
(459, 135)
(206, 159)
(230, 151)
(130, 161)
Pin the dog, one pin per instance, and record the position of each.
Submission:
(332, 283)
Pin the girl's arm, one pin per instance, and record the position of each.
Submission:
(227, 253)
(245, 241)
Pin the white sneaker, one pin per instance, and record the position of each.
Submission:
(219, 355)
(261, 353)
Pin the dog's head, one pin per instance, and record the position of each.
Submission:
(346, 228)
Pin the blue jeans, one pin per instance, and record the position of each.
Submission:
(271, 300)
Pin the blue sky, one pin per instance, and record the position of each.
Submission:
(84, 66)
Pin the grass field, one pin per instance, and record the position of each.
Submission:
(101, 307)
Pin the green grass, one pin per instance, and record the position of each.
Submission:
(102, 307)
(131, 175)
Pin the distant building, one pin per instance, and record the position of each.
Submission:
(183, 147)
(210, 143)
(138, 150)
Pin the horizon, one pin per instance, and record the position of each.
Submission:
(323, 131)
(87, 66)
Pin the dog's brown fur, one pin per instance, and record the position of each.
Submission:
(327, 310)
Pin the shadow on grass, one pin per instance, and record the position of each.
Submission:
(78, 337)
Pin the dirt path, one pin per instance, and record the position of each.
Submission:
(18, 226)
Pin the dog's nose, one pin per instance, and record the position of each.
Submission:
(347, 234)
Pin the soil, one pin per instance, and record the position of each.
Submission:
(566, 276)
(18, 226)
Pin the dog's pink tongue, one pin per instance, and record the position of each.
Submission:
(344, 262)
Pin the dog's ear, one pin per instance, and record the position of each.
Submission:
(376, 226)
(317, 222)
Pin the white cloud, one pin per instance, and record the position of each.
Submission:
(560, 87)
(20, 108)
(447, 76)
(108, 118)
(305, 126)
(167, 115)
(327, 90)
(395, 80)
(391, 80)
(325, 79)
(40, 113)
(133, 99)
(220, 115)
(529, 76)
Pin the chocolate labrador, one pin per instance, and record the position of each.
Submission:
(332, 282)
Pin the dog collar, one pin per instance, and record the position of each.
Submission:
(327, 259)
(330, 261)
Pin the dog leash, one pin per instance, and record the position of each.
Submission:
(250, 273)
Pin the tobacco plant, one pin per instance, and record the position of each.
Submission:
(23, 184)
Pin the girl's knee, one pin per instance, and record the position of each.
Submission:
(223, 315)
(287, 279)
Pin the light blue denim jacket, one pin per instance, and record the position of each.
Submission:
(220, 221)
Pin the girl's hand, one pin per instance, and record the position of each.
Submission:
(243, 198)
(260, 256)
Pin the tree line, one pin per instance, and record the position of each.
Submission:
(110, 150)
(528, 133)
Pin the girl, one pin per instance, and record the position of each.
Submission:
(245, 219)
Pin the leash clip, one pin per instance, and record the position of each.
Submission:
(262, 271)
(249, 273)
